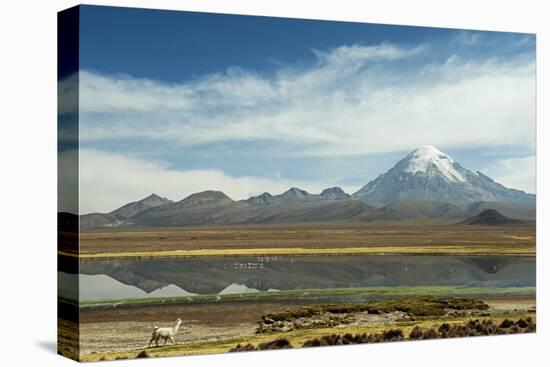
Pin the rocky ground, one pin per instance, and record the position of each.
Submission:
(329, 319)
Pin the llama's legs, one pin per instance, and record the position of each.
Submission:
(173, 341)
(165, 340)
(153, 338)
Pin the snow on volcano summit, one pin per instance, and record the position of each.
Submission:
(427, 174)
(421, 158)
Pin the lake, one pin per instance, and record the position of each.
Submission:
(119, 279)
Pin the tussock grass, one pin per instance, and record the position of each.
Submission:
(417, 306)
(280, 343)
(143, 354)
(470, 328)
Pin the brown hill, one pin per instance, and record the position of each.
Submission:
(491, 217)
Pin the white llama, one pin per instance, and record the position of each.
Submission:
(165, 333)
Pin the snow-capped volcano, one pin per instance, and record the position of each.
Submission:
(429, 174)
(420, 160)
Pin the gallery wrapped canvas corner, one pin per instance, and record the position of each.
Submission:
(232, 183)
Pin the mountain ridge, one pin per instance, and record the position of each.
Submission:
(136, 207)
(295, 195)
(426, 183)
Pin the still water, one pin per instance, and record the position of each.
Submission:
(119, 279)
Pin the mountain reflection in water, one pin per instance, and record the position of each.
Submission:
(177, 277)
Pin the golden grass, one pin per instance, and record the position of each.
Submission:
(297, 251)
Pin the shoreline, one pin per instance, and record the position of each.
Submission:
(301, 251)
(381, 292)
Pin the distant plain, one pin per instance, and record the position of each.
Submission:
(404, 237)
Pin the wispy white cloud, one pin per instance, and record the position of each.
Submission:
(357, 54)
(518, 173)
(109, 180)
(467, 38)
(353, 100)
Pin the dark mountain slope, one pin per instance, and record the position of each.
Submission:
(490, 217)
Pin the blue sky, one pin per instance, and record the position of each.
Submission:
(182, 102)
(175, 46)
